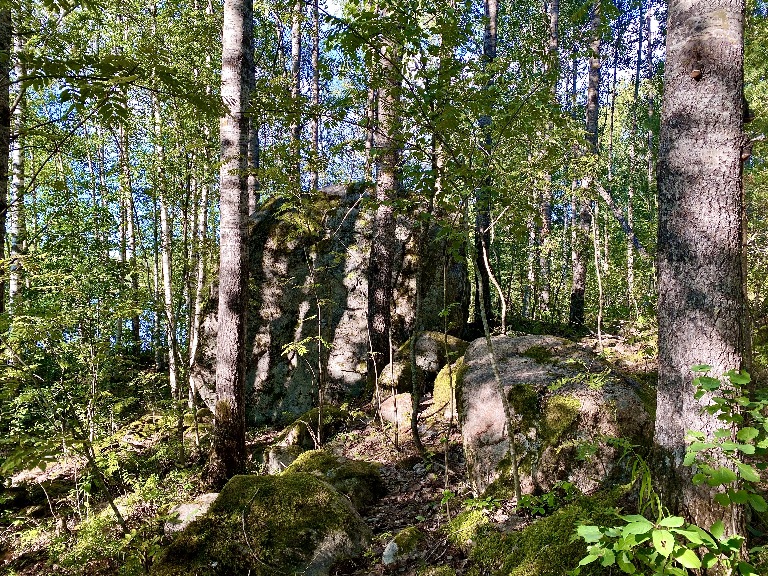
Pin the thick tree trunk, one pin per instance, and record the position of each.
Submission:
(228, 450)
(580, 251)
(387, 187)
(702, 305)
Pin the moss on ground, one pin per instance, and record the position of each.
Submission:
(546, 547)
(463, 528)
(540, 354)
(408, 539)
(264, 525)
(360, 481)
(436, 571)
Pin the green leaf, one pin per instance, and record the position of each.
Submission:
(663, 542)
(722, 499)
(747, 472)
(672, 522)
(625, 564)
(609, 557)
(588, 559)
(708, 560)
(688, 558)
(718, 529)
(738, 378)
(639, 527)
(590, 534)
(721, 476)
(758, 503)
(747, 434)
(746, 569)
(701, 368)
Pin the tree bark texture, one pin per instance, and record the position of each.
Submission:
(702, 305)
(483, 199)
(383, 243)
(16, 209)
(583, 219)
(296, 18)
(5, 132)
(228, 451)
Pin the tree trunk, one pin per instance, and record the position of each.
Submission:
(315, 124)
(296, 18)
(228, 451)
(702, 304)
(387, 187)
(5, 132)
(580, 251)
(552, 9)
(483, 200)
(16, 210)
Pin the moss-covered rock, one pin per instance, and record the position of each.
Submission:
(565, 403)
(430, 358)
(360, 481)
(313, 427)
(402, 546)
(462, 529)
(448, 380)
(546, 547)
(266, 525)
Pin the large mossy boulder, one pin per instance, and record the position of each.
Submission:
(567, 405)
(267, 525)
(430, 355)
(359, 481)
(316, 254)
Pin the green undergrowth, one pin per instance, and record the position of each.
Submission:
(546, 547)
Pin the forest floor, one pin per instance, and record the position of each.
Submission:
(70, 532)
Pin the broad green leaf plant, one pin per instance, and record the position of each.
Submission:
(655, 542)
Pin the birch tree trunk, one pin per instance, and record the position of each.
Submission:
(5, 132)
(16, 209)
(228, 450)
(315, 123)
(701, 275)
(296, 18)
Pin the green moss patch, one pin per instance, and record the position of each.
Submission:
(304, 431)
(540, 354)
(560, 413)
(447, 382)
(360, 481)
(437, 571)
(463, 529)
(545, 547)
(265, 525)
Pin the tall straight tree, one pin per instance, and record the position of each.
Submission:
(5, 131)
(387, 143)
(228, 450)
(483, 208)
(583, 217)
(701, 275)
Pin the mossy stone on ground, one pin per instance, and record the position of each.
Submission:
(546, 547)
(267, 525)
(566, 402)
(444, 395)
(304, 431)
(462, 529)
(360, 481)
(402, 546)
(436, 571)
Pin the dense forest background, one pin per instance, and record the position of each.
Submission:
(524, 136)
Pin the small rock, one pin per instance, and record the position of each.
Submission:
(189, 511)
